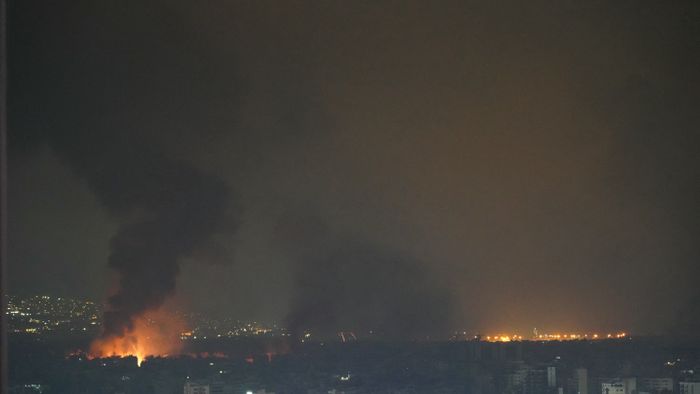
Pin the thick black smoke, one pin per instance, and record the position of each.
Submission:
(567, 134)
(112, 106)
(168, 209)
(183, 207)
(343, 284)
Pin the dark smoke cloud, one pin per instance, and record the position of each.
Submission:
(168, 207)
(346, 284)
(183, 211)
(538, 152)
(112, 138)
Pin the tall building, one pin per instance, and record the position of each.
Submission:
(657, 385)
(192, 387)
(203, 387)
(619, 386)
(537, 381)
(516, 379)
(551, 377)
(616, 387)
(581, 380)
(689, 387)
(474, 350)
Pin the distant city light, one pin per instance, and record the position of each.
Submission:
(550, 337)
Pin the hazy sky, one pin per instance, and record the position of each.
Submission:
(530, 164)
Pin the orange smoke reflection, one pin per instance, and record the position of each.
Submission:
(155, 333)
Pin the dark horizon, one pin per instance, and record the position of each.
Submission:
(401, 165)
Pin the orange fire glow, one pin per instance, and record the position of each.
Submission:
(155, 333)
(555, 337)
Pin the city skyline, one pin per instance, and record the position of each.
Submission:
(55, 315)
(350, 197)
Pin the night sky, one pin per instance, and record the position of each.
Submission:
(399, 165)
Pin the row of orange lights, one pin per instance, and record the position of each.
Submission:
(555, 337)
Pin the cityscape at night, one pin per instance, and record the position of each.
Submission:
(349, 197)
(230, 356)
(60, 315)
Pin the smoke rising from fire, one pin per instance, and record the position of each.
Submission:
(183, 210)
(515, 148)
(169, 208)
(112, 137)
(345, 284)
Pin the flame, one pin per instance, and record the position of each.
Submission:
(155, 333)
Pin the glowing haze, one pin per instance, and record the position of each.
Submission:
(498, 166)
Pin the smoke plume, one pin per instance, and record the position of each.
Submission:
(506, 144)
(345, 284)
(169, 208)
(115, 124)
